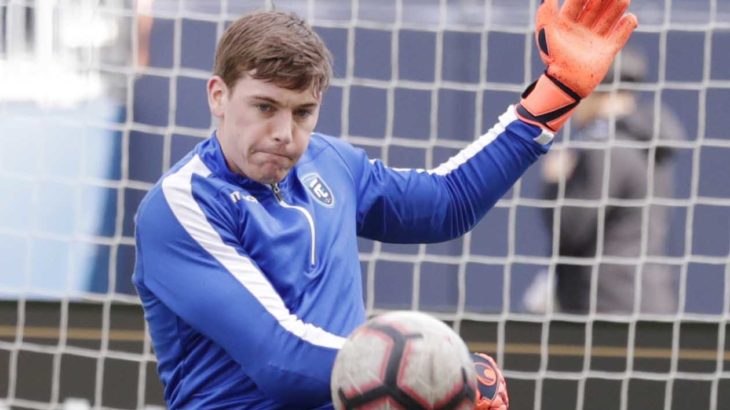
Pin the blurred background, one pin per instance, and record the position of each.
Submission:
(99, 97)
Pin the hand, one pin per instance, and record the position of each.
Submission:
(578, 44)
(492, 388)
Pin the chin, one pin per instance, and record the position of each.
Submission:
(272, 178)
(278, 178)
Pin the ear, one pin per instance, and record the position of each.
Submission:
(217, 96)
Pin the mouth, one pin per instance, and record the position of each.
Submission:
(277, 155)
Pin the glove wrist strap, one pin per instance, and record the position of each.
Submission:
(547, 103)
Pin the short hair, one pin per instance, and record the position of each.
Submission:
(274, 46)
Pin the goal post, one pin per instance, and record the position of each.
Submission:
(99, 97)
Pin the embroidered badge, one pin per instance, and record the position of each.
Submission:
(319, 190)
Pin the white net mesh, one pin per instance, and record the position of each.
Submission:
(98, 98)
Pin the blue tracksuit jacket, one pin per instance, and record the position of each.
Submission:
(249, 289)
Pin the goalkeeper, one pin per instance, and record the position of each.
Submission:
(247, 260)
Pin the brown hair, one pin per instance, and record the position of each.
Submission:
(274, 46)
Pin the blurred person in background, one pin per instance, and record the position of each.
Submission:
(634, 175)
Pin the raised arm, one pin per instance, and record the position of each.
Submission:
(419, 206)
(578, 43)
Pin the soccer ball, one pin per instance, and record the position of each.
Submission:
(404, 360)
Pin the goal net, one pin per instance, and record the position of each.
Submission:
(600, 281)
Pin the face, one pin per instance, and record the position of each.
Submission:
(263, 129)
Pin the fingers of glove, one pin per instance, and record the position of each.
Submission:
(592, 11)
(622, 31)
(495, 405)
(571, 9)
(484, 405)
(547, 14)
(502, 392)
(501, 402)
(490, 380)
(610, 16)
(499, 399)
(498, 403)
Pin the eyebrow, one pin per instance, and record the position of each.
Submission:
(277, 103)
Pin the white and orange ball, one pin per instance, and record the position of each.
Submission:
(404, 360)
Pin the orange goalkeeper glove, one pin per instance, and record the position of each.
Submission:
(577, 44)
(492, 388)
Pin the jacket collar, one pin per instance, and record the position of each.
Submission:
(212, 155)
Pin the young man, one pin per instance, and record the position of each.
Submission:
(247, 259)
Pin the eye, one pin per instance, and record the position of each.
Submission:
(264, 108)
(303, 113)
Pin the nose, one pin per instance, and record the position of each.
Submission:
(283, 127)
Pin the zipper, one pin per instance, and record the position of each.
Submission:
(277, 193)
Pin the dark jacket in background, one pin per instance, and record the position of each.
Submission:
(631, 227)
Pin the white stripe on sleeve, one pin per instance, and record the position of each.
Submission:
(472, 149)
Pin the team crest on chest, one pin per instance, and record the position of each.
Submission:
(319, 190)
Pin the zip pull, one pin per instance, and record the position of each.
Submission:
(276, 190)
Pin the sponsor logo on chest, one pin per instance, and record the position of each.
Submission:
(319, 190)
